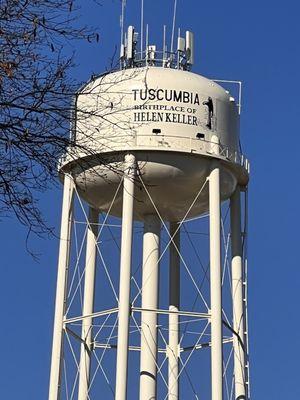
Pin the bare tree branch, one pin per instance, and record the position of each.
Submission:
(36, 99)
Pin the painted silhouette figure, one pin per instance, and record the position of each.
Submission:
(210, 107)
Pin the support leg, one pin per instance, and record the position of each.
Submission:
(150, 282)
(237, 296)
(88, 304)
(125, 271)
(174, 301)
(62, 276)
(215, 284)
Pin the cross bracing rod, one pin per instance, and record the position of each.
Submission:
(72, 333)
(171, 239)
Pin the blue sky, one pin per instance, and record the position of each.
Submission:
(258, 43)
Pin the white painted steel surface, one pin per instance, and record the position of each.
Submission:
(173, 179)
(215, 284)
(62, 276)
(168, 119)
(150, 285)
(88, 305)
(125, 273)
(117, 107)
(174, 304)
(237, 297)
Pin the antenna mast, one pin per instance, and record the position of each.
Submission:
(173, 26)
(142, 27)
(122, 50)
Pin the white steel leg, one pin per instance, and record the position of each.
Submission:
(237, 296)
(174, 301)
(150, 282)
(125, 271)
(215, 284)
(62, 276)
(88, 304)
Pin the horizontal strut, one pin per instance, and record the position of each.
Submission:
(137, 309)
(93, 315)
(168, 312)
(203, 345)
(98, 345)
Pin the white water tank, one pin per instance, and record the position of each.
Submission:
(175, 122)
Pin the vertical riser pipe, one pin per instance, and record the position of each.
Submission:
(150, 285)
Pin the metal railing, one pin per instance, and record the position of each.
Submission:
(192, 145)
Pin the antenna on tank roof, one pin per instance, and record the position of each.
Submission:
(173, 26)
(147, 43)
(122, 45)
(142, 27)
(164, 46)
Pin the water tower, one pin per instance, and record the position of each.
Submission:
(157, 146)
